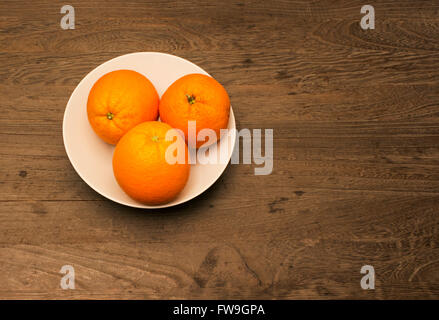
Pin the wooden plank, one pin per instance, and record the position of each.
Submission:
(356, 169)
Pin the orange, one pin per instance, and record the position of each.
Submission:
(120, 100)
(196, 97)
(141, 168)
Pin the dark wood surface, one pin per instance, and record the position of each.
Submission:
(356, 153)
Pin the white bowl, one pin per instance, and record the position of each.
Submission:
(92, 158)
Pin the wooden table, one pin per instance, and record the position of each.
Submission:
(356, 153)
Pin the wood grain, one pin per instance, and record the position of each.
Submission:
(356, 153)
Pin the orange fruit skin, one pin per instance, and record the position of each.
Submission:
(141, 169)
(125, 96)
(210, 107)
